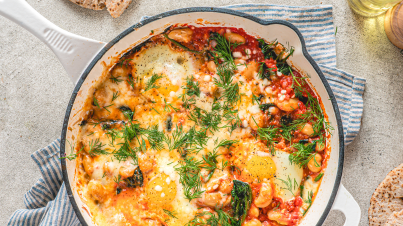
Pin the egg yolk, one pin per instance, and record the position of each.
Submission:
(260, 167)
(161, 190)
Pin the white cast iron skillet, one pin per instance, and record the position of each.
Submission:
(82, 57)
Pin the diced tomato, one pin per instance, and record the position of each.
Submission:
(270, 63)
(298, 201)
(300, 110)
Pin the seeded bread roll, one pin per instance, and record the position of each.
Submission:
(387, 198)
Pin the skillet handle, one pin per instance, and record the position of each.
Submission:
(345, 203)
(73, 51)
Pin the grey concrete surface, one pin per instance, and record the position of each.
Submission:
(34, 91)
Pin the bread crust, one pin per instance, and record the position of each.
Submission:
(90, 4)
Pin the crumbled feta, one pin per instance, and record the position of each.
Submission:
(254, 109)
(158, 188)
(237, 54)
(245, 123)
(269, 90)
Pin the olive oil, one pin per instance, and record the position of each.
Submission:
(371, 8)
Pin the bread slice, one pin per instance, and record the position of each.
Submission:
(387, 198)
(395, 219)
(90, 4)
(117, 7)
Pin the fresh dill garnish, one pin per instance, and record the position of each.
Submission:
(189, 176)
(290, 53)
(210, 163)
(117, 179)
(226, 143)
(309, 201)
(191, 88)
(125, 62)
(127, 112)
(170, 213)
(214, 219)
(289, 185)
(225, 81)
(168, 106)
(304, 153)
(106, 107)
(155, 138)
(196, 140)
(95, 148)
(128, 133)
(130, 81)
(115, 79)
(151, 82)
(255, 99)
(155, 110)
(222, 51)
(275, 208)
(115, 95)
(177, 140)
(112, 134)
(207, 120)
(96, 102)
(268, 134)
(72, 154)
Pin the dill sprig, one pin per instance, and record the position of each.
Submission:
(96, 102)
(106, 108)
(207, 120)
(73, 155)
(177, 140)
(155, 138)
(115, 95)
(226, 143)
(115, 79)
(208, 218)
(222, 51)
(167, 107)
(151, 82)
(170, 213)
(95, 148)
(225, 81)
(130, 81)
(189, 177)
(304, 153)
(191, 88)
(289, 184)
(309, 201)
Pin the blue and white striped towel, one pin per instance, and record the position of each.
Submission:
(47, 202)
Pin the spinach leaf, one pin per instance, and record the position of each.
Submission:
(241, 200)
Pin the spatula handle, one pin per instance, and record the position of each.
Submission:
(73, 51)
